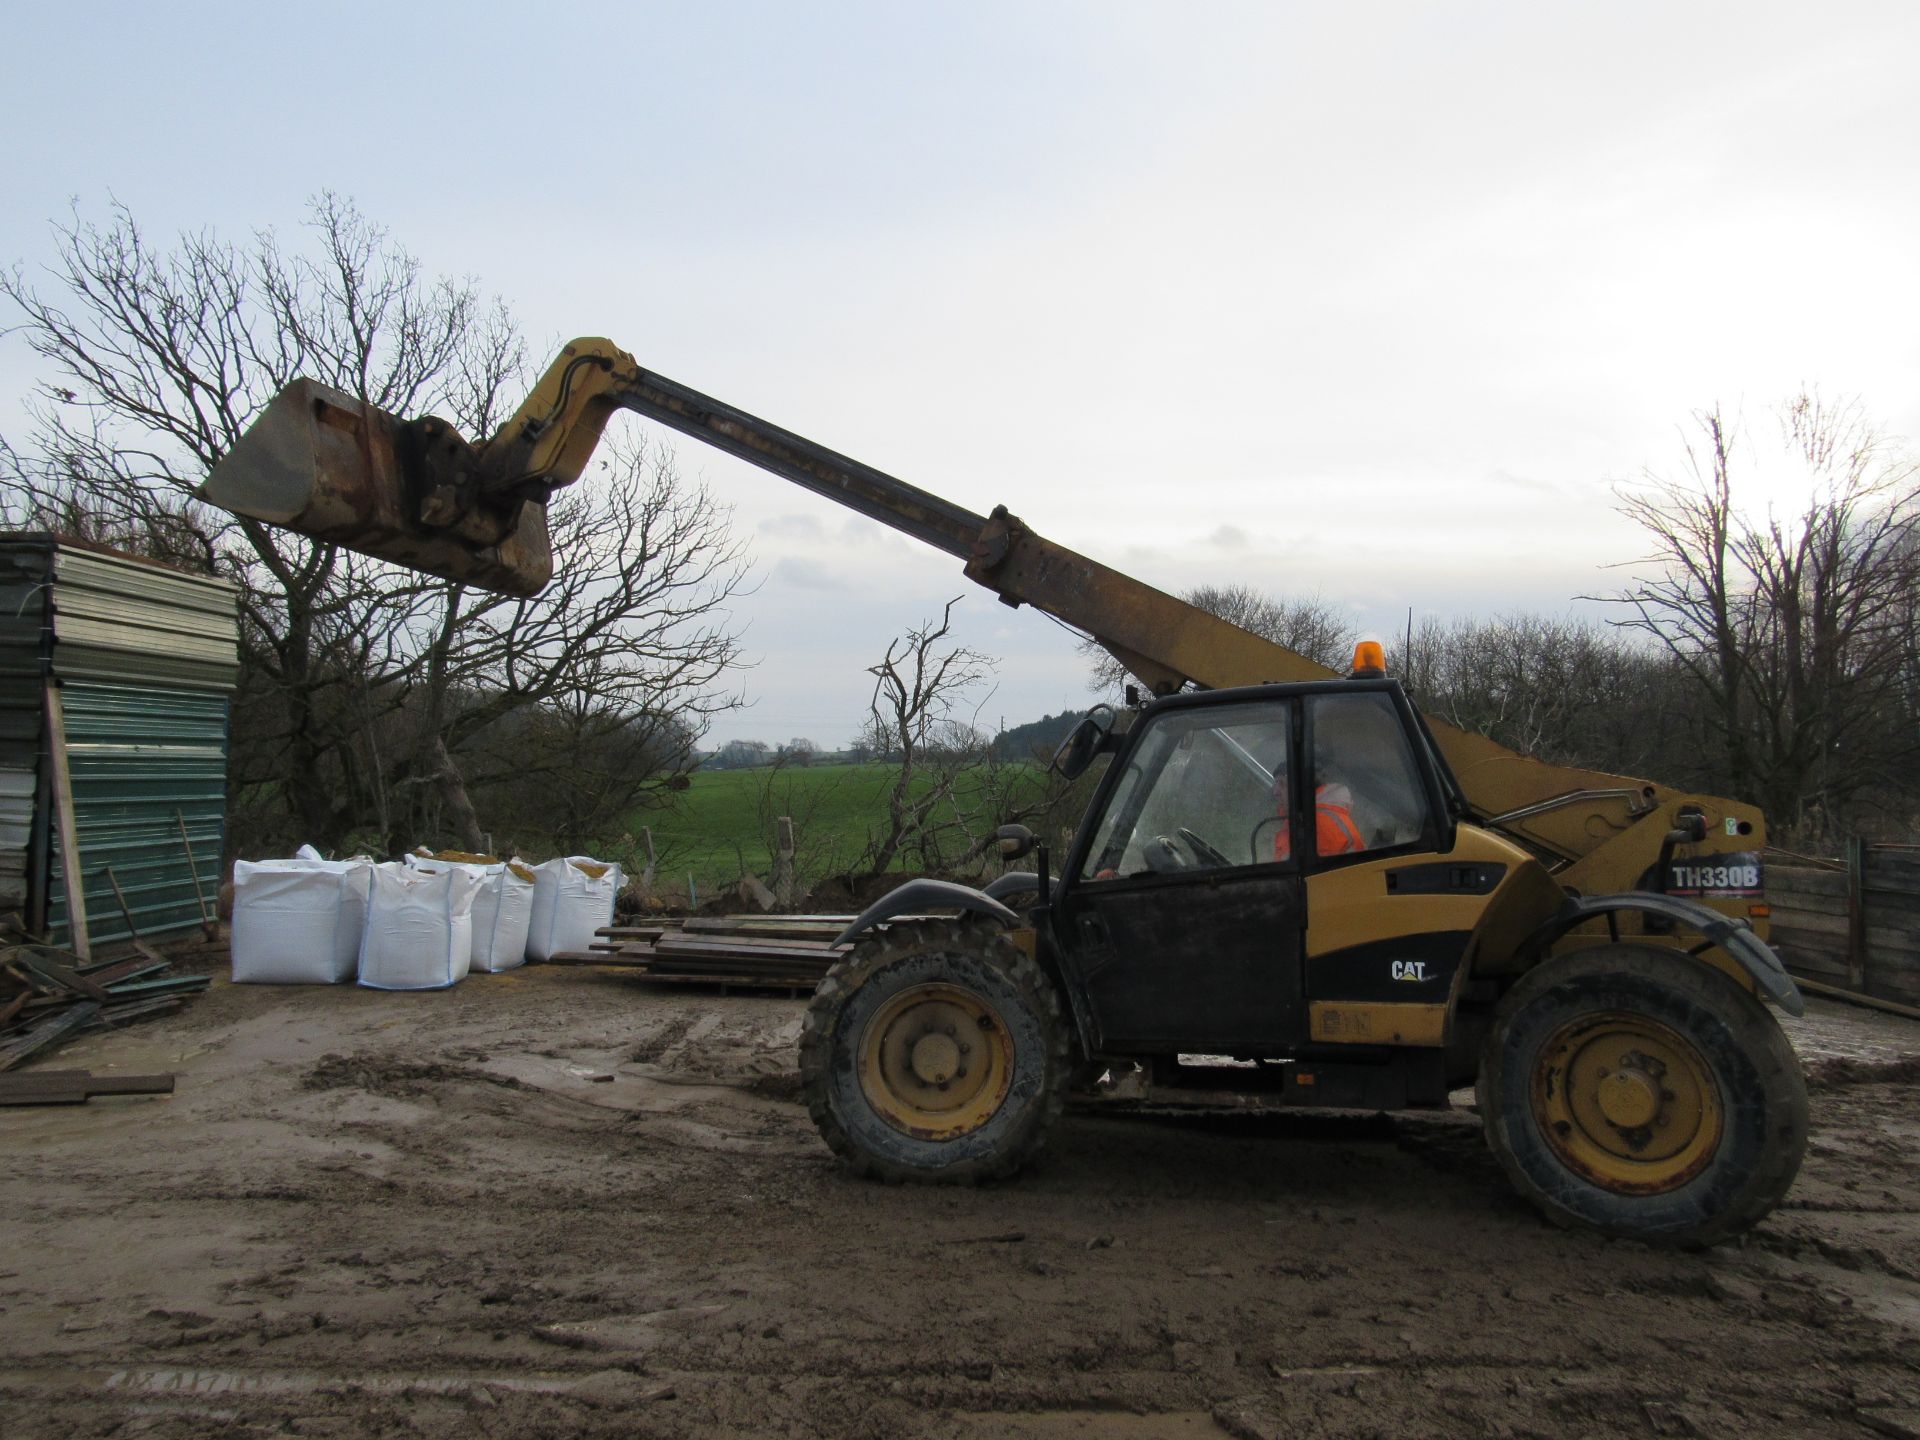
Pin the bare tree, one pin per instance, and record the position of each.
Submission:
(366, 691)
(1793, 623)
(1563, 690)
(1312, 626)
(919, 687)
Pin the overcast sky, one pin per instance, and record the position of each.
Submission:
(1369, 301)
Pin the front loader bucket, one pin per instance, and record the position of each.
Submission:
(321, 463)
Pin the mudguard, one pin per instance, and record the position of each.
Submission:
(1015, 886)
(1754, 955)
(917, 897)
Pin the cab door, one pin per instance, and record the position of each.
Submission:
(1184, 916)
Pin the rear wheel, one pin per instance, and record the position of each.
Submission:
(935, 1052)
(1629, 1090)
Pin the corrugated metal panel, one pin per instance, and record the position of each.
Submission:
(116, 618)
(144, 656)
(25, 567)
(139, 757)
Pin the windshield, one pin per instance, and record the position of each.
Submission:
(1204, 789)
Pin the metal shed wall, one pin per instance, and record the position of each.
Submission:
(145, 658)
(143, 759)
(25, 572)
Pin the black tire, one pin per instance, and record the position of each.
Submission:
(1539, 1097)
(1026, 1041)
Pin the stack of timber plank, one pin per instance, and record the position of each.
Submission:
(48, 996)
(782, 952)
(1852, 927)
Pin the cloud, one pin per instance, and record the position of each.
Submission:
(792, 527)
(806, 574)
(1229, 537)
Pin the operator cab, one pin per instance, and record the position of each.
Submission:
(1223, 779)
(1183, 905)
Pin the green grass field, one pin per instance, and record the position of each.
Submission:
(722, 823)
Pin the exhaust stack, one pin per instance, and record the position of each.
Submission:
(323, 464)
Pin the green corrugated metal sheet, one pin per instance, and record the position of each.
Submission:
(117, 618)
(145, 657)
(139, 755)
(25, 574)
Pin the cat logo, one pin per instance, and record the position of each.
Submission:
(1414, 970)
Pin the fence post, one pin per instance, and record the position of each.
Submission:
(1856, 914)
(785, 882)
(646, 875)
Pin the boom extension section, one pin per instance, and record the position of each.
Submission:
(418, 494)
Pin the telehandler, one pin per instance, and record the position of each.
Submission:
(1290, 888)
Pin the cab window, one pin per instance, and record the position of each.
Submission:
(1367, 789)
(1205, 789)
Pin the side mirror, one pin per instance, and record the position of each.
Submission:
(1014, 841)
(1078, 750)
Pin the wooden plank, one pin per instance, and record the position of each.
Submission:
(687, 946)
(818, 964)
(1800, 963)
(75, 882)
(692, 973)
(47, 1032)
(131, 968)
(1805, 920)
(1893, 940)
(1896, 905)
(739, 982)
(1856, 916)
(1806, 882)
(1814, 958)
(1894, 863)
(44, 1097)
(1807, 904)
(1836, 992)
(208, 924)
(86, 1082)
(1904, 988)
(1802, 938)
(720, 967)
(782, 925)
(763, 949)
(60, 975)
(841, 920)
(118, 1015)
(170, 985)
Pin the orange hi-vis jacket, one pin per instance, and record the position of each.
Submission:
(1334, 832)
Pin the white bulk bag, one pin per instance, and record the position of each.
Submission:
(572, 898)
(502, 909)
(419, 930)
(298, 922)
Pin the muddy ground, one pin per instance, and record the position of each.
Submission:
(566, 1203)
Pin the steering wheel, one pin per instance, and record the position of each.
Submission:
(1203, 849)
(1182, 850)
(1163, 855)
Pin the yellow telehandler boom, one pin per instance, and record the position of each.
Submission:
(417, 493)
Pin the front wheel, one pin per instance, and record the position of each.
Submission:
(1630, 1090)
(935, 1052)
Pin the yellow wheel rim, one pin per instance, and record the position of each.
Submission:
(935, 1062)
(1627, 1102)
